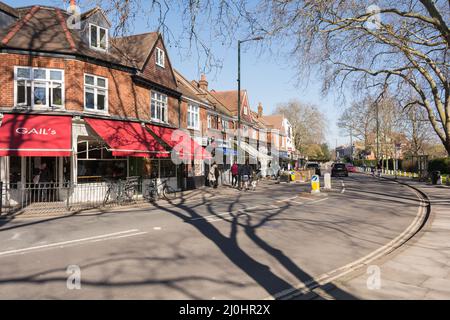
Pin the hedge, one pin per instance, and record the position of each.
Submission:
(439, 164)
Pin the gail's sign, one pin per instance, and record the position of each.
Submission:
(38, 131)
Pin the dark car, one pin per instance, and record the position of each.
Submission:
(339, 170)
(314, 166)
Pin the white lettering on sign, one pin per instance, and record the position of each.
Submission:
(38, 131)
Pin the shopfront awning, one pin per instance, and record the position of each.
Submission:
(181, 142)
(35, 135)
(253, 152)
(127, 138)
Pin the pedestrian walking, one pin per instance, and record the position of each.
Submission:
(234, 174)
(216, 175)
(245, 174)
(211, 175)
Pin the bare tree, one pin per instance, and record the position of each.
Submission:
(399, 43)
(308, 125)
(358, 120)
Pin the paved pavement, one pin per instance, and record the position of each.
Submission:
(251, 245)
(419, 270)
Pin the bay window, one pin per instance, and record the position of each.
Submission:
(158, 107)
(95, 93)
(38, 87)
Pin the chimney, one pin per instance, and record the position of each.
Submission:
(72, 3)
(203, 83)
(260, 110)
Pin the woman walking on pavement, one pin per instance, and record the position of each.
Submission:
(234, 174)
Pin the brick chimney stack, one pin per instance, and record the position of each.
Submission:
(72, 3)
(260, 110)
(203, 83)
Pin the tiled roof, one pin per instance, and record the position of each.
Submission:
(9, 10)
(134, 50)
(230, 100)
(276, 121)
(187, 89)
(44, 29)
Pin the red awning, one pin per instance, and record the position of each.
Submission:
(127, 138)
(35, 135)
(181, 142)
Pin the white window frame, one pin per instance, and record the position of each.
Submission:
(245, 110)
(193, 116)
(98, 38)
(48, 85)
(161, 104)
(209, 121)
(160, 57)
(96, 88)
(225, 124)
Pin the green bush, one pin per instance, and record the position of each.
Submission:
(439, 164)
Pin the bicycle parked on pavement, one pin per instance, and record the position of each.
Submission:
(121, 191)
(154, 191)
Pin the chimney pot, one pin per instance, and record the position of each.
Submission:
(260, 110)
(203, 83)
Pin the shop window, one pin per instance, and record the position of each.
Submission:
(96, 162)
(167, 169)
(15, 171)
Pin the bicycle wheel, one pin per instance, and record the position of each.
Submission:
(169, 193)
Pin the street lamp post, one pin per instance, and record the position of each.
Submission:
(239, 89)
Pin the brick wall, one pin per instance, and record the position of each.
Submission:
(159, 74)
(125, 98)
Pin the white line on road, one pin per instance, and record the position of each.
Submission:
(343, 186)
(63, 243)
(316, 201)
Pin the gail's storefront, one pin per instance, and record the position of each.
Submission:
(73, 158)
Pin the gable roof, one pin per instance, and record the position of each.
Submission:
(44, 29)
(230, 100)
(275, 121)
(134, 49)
(187, 89)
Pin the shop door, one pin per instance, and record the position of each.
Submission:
(33, 164)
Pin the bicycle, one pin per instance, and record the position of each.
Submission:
(152, 191)
(124, 190)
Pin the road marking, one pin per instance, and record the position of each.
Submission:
(157, 228)
(225, 213)
(287, 199)
(343, 186)
(337, 273)
(63, 243)
(320, 200)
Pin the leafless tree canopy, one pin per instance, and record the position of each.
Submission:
(398, 44)
(308, 125)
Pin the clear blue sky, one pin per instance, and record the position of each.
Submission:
(268, 78)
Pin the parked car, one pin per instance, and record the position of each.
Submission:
(315, 166)
(350, 167)
(339, 170)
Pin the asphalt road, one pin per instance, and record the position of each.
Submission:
(249, 245)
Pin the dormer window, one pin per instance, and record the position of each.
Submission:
(98, 37)
(160, 57)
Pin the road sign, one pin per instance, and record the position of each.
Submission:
(315, 184)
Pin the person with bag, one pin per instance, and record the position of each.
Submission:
(246, 174)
